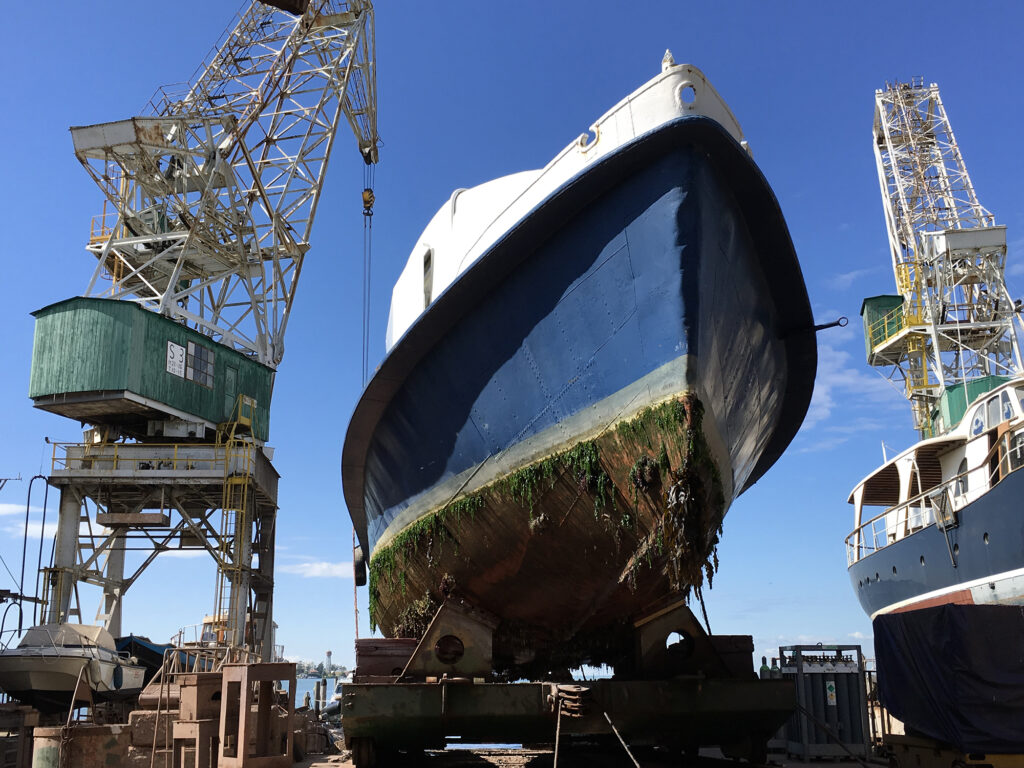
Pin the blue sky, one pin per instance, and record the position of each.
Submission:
(474, 90)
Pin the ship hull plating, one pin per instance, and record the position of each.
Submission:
(663, 278)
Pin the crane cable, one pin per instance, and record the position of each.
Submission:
(368, 200)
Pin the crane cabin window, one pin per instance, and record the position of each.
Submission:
(199, 365)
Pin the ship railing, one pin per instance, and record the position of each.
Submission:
(938, 504)
(189, 659)
(134, 457)
(9, 638)
(891, 525)
(86, 645)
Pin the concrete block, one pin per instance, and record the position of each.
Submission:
(142, 722)
(87, 746)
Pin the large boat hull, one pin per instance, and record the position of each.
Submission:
(663, 277)
(976, 562)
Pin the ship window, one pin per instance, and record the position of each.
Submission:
(428, 277)
(1017, 451)
(992, 412)
(978, 422)
(1004, 400)
(1020, 397)
(199, 365)
(961, 479)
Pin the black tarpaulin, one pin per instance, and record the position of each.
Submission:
(955, 673)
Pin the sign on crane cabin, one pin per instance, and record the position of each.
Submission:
(114, 364)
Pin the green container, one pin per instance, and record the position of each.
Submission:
(883, 317)
(114, 363)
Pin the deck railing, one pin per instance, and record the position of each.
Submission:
(113, 457)
(939, 503)
(887, 326)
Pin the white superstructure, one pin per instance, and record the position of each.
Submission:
(472, 220)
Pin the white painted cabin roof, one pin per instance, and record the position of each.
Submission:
(472, 220)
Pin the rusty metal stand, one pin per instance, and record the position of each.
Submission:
(701, 690)
(239, 683)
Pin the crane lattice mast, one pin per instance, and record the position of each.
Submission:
(210, 201)
(956, 320)
(212, 194)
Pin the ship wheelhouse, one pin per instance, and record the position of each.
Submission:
(931, 482)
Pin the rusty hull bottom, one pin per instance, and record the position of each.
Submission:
(566, 557)
(738, 715)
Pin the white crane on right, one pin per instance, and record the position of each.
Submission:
(953, 325)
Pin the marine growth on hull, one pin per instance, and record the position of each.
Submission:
(567, 551)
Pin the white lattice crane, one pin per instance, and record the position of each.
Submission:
(212, 194)
(210, 201)
(953, 321)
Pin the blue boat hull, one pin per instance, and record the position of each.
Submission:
(665, 271)
(932, 567)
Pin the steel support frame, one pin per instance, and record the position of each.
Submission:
(103, 516)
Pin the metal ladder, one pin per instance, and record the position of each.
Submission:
(236, 517)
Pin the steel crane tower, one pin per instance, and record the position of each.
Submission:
(953, 321)
(210, 198)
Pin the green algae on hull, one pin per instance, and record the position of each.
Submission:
(673, 522)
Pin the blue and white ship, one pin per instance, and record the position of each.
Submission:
(937, 523)
(936, 556)
(585, 365)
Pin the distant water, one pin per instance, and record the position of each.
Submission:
(306, 684)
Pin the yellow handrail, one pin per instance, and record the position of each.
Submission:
(135, 456)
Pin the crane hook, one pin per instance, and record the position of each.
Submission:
(368, 200)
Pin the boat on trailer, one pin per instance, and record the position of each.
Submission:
(585, 365)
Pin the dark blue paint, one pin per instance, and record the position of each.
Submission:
(676, 254)
(997, 513)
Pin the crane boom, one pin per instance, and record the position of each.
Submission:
(212, 193)
(953, 320)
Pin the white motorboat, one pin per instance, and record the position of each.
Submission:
(56, 665)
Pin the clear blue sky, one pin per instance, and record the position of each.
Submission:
(474, 90)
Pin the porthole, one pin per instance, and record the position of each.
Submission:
(922, 559)
(956, 549)
(860, 584)
(894, 570)
(985, 538)
(876, 576)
